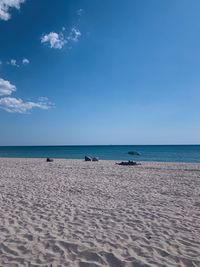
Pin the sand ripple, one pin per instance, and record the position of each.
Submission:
(74, 213)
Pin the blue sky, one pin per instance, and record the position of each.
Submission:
(99, 72)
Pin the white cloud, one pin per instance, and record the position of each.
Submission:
(55, 40)
(17, 105)
(25, 61)
(59, 40)
(74, 35)
(6, 5)
(6, 88)
(12, 62)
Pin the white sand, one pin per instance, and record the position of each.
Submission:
(75, 213)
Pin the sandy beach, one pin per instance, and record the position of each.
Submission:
(90, 214)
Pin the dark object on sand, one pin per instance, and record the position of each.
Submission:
(128, 163)
(134, 153)
(49, 160)
(95, 159)
(88, 158)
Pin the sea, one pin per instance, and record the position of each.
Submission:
(161, 153)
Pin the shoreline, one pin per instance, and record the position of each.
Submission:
(85, 214)
(104, 160)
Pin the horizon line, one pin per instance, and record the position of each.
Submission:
(102, 145)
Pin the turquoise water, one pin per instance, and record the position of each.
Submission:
(163, 153)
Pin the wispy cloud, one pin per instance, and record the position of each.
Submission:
(74, 35)
(15, 63)
(6, 5)
(59, 40)
(6, 88)
(17, 105)
(79, 12)
(55, 40)
(12, 62)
